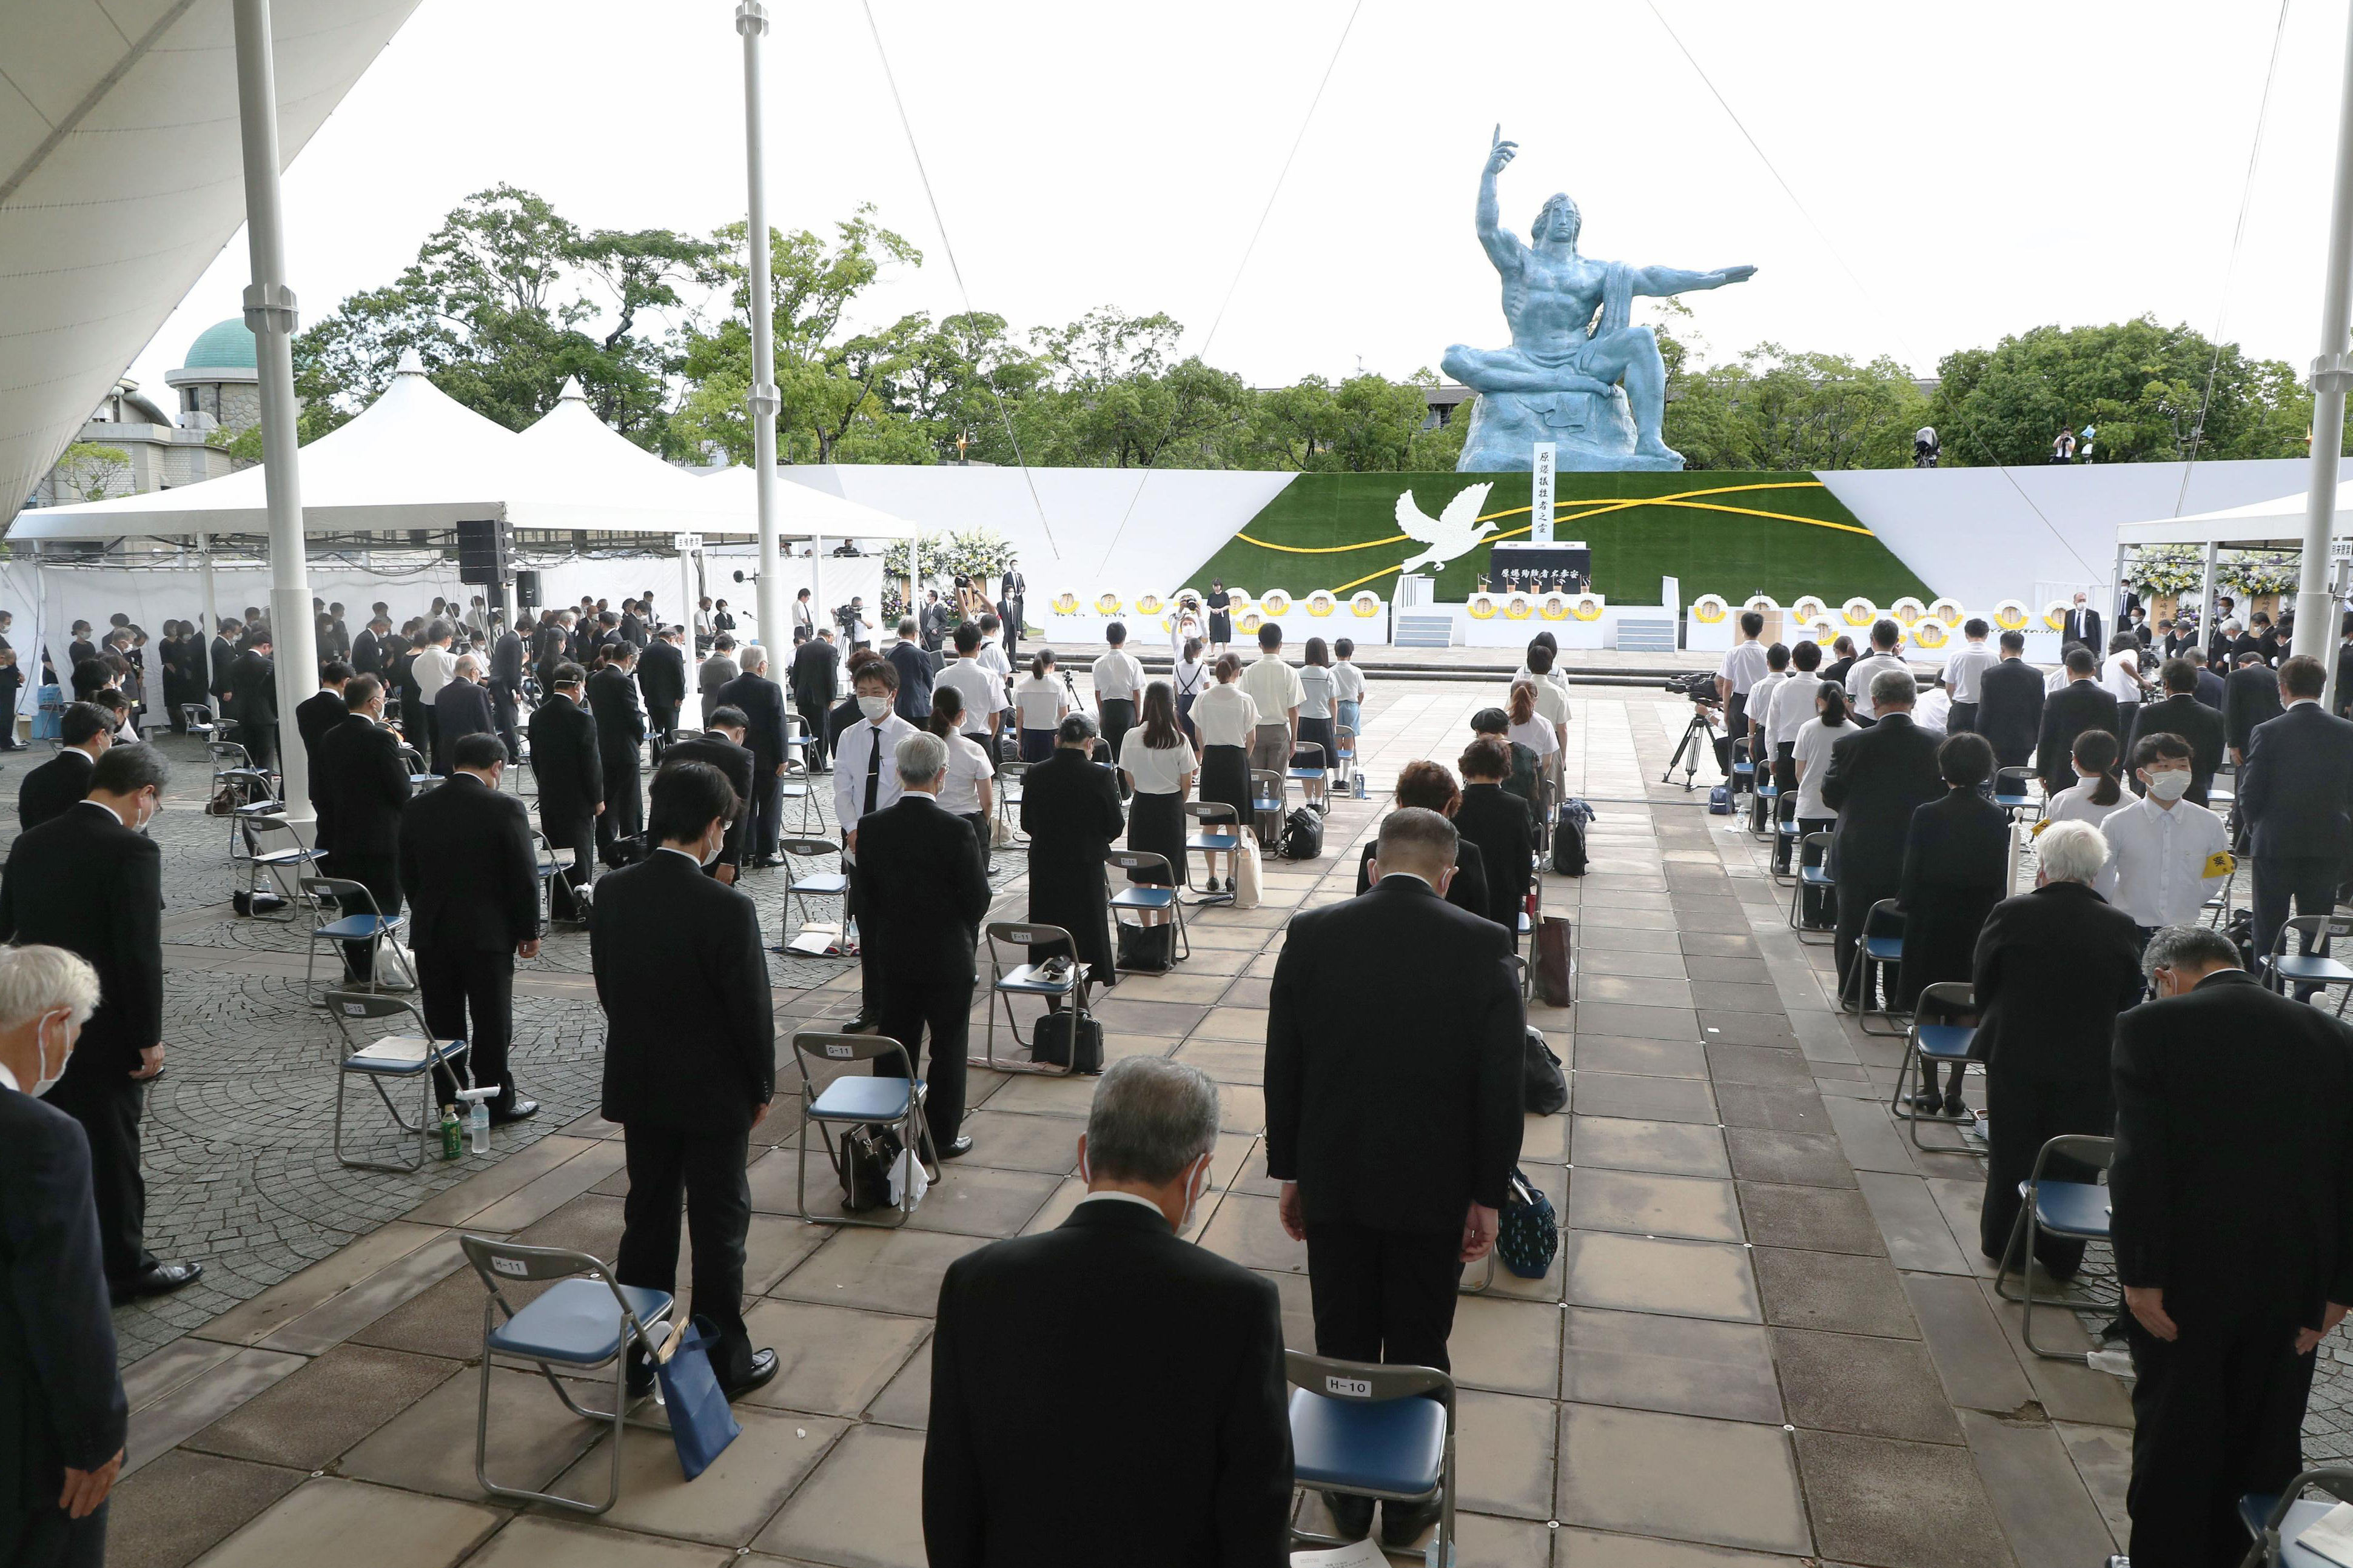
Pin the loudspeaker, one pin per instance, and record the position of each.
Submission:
(527, 590)
(482, 551)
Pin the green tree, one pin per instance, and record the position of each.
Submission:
(95, 470)
(1778, 411)
(1116, 396)
(1365, 424)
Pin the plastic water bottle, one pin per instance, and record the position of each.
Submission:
(1359, 778)
(453, 1143)
(478, 1115)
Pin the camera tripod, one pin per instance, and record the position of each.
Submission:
(1699, 736)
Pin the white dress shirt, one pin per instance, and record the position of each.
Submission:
(983, 694)
(1860, 677)
(1348, 685)
(1039, 701)
(967, 767)
(2158, 858)
(991, 658)
(849, 762)
(1117, 677)
(433, 670)
(1224, 715)
(1317, 691)
(1793, 705)
(1274, 686)
(1964, 671)
(1156, 770)
(1743, 665)
(2120, 676)
(1812, 757)
(1760, 697)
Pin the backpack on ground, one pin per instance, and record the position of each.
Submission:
(1543, 1087)
(1719, 801)
(1303, 834)
(1569, 846)
(1527, 1234)
(1050, 1042)
(2241, 930)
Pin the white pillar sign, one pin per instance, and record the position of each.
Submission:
(1540, 505)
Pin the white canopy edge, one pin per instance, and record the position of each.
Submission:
(2279, 521)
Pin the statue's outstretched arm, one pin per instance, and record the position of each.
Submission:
(1503, 246)
(1663, 280)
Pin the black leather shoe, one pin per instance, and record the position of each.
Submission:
(959, 1149)
(861, 1025)
(1955, 1106)
(160, 1280)
(1352, 1516)
(517, 1110)
(641, 1377)
(1402, 1524)
(762, 1373)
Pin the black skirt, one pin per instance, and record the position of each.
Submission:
(1155, 826)
(1225, 778)
(1221, 627)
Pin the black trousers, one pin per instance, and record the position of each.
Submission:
(46, 1538)
(1736, 720)
(467, 995)
(576, 833)
(507, 715)
(813, 716)
(1963, 719)
(108, 1104)
(1118, 719)
(979, 820)
(2311, 882)
(946, 1012)
(708, 1168)
(870, 979)
(2026, 1114)
(661, 724)
(1381, 1295)
(380, 875)
(1859, 887)
(2126, 712)
(2216, 1413)
(260, 743)
(767, 806)
(625, 806)
(1785, 805)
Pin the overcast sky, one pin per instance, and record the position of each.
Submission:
(1980, 169)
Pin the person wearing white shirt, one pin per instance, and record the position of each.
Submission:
(969, 791)
(1348, 687)
(1811, 767)
(1884, 635)
(1552, 698)
(2162, 847)
(1963, 673)
(2090, 802)
(1318, 700)
(1226, 721)
(1274, 687)
(1190, 679)
(434, 668)
(1743, 666)
(804, 617)
(981, 693)
(1528, 728)
(992, 658)
(1039, 707)
(1160, 768)
(1119, 681)
(1185, 625)
(2120, 678)
(1760, 706)
(1793, 705)
(865, 780)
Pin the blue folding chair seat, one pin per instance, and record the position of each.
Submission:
(2051, 1205)
(822, 884)
(1136, 898)
(1884, 949)
(2013, 802)
(576, 1323)
(360, 928)
(2311, 970)
(1946, 1042)
(2075, 1209)
(863, 1099)
(1396, 1448)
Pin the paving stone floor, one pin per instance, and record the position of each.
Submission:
(1769, 1338)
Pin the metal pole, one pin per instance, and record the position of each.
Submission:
(211, 620)
(687, 595)
(2208, 592)
(269, 314)
(817, 593)
(2332, 372)
(752, 22)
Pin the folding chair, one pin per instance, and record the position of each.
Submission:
(1305, 775)
(2274, 1522)
(359, 921)
(1009, 780)
(586, 1320)
(420, 776)
(1372, 1431)
(1343, 758)
(227, 755)
(197, 720)
(1763, 802)
(800, 889)
(274, 874)
(261, 800)
(389, 1057)
(2282, 969)
(1876, 957)
(1023, 980)
(2078, 1210)
(1813, 874)
(1218, 831)
(1270, 803)
(891, 1102)
(550, 863)
(2011, 791)
(799, 784)
(1144, 897)
(1931, 1047)
(1785, 839)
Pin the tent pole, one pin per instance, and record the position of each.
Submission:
(752, 22)
(687, 595)
(2206, 594)
(211, 620)
(2332, 372)
(818, 614)
(269, 314)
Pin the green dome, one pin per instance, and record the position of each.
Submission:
(224, 346)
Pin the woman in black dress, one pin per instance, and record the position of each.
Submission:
(1956, 869)
(1221, 620)
(1499, 824)
(1070, 809)
(1159, 766)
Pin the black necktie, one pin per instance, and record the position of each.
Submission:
(874, 770)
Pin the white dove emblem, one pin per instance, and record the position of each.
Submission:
(1448, 534)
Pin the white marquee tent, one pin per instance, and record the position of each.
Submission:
(2279, 521)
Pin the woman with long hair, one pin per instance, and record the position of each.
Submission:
(1318, 694)
(1160, 767)
(1225, 719)
(2098, 763)
(1219, 604)
(1040, 707)
(969, 791)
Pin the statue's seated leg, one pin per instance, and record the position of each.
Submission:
(1500, 369)
(1631, 354)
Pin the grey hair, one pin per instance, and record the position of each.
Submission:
(1415, 833)
(469, 666)
(2189, 947)
(1152, 1117)
(920, 757)
(754, 658)
(2070, 851)
(1893, 688)
(33, 980)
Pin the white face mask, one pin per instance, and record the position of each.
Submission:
(2171, 784)
(1194, 1193)
(874, 707)
(718, 841)
(46, 1080)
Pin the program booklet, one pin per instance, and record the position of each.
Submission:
(2331, 1535)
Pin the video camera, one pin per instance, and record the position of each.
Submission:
(1699, 688)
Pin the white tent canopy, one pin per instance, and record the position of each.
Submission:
(416, 458)
(2276, 522)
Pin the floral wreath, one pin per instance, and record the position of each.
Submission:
(1709, 608)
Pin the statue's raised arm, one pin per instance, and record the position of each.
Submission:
(1503, 246)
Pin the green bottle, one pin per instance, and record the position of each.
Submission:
(453, 1138)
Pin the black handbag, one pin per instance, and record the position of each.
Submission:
(1544, 1088)
(863, 1166)
(1050, 1043)
(1527, 1234)
(1147, 949)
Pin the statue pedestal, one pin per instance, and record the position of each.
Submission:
(1590, 433)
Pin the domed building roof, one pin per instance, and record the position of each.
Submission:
(224, 346)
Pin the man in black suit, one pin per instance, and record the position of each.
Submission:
(2296, 807)
(2078, 706)
(1877, 778)
(369, 649)
(564, 763)
(2250, 699)
(935, 621)
(1393, 1113)
(689, 1059)
(620, 730)
(921, 893)
(2010, 704)
(461, 708)
(62, 1411)
(322, 711)
(2083, 624)
(721, 745)
(661, 677)
(471, 873)
(223, 658)
(2180, 713)
(1148, 1324)
(363, 787)
(761, 702)
(2232, 1210)
(253, 688)
(816, 686)
(1012, 603)
(91, 882)
(914, 700)
(506, 689)
(85, 730)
